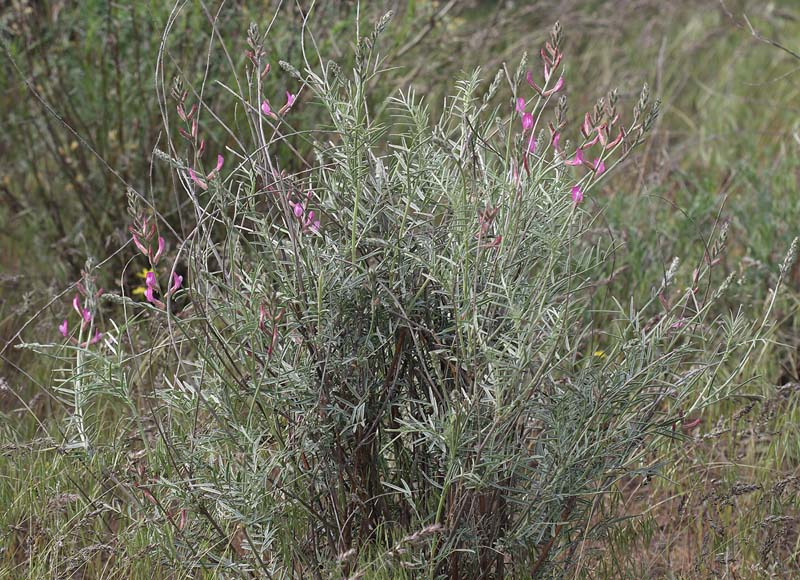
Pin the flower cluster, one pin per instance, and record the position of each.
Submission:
(143, 232)
(257, 55)
(600, 129)
(551, 59)
(191, 134)
(81, 304)
(309, 221)
(151, 287)
(266, 108)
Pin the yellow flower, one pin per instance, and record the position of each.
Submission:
(140, 290)
(600, 353)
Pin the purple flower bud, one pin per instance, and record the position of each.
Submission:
(520, 105)
(63, 328)
(140, 245)
(149, 294)
(577, 194)
(176, 282)
(159, 251)
(76, 304)
(150, 279)
(265, 108)
(534, 86)
(193, 177)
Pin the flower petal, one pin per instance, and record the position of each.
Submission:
(577, 194)
(527, 121)
(577, 160)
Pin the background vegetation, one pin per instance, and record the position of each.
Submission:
(82, 119)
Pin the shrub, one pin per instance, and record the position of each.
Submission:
(387, 365)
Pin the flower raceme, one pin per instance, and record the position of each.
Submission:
(309, 221)
(143, 234)
(266, 108)
(151, 288)
(601, 131)
(85, 316)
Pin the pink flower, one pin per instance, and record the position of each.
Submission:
(617, 139)
(87, 316)
(96, 338)
(148, 293)
(556, 139)
(193, 177)
(586, 126)
(599, 166)
(577, 194)
(76, 304)
(220, 161)
(520, 105)
(159, 251)
(602, 135)
(529, 78)
(176, 283)
(140, 245)
(265, 108)
(297, 209)
(150, 279)
(63, 328)
(527, 121)
(531, 145)
(290, 99)
(556, 88)
(577, 160)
